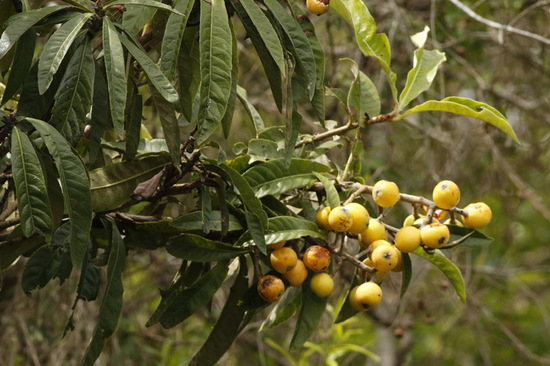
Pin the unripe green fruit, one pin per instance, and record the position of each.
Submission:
(435, 235)
(385, 193)
(407, 239)
(317, 258)
(375, 231)
(446, 194)
(479, 215)
(340, 219)
(297, 275)
(322, 284)
(322, 218)
(359, 217)
(385, 257)
(271, 288)
(283, 259)
(368, 295)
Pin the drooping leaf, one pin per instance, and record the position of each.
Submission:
(301, 47)
(111, 304)
(251, 110)
(228, 114)
(449, 269)
(363, 96)
(188, 70)
(133, 117)
(24, 55)
(116, 74)
(40, 268)
(180, 303)
(271, 67)
(285, 309)
(155, 76)
(169, 122)
(22, 22)
(407, 273)
(56, 48)
(215, 65)
(100, 114)
(229, 323)
(30, 186)
(113, 185)
(310, 315)
(198, 249)
(420, 77)
(273, 177)
(173, 36)
(266, 32)
(332, 194)
(89, 283)
(75, 185)
(292, 131)
(466, 107)
(74, 97)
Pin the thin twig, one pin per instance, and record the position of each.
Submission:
(499, 26)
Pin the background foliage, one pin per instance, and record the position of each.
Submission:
(506, 281)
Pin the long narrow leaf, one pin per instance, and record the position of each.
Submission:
(30, 186)
(56, 48)
(147, 3)
(116, 74)
(169, 122)
(198, 249)
(24, 55)
(215, 67)
(76, 188)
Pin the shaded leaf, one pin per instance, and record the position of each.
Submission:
(250, 110)
(100, 114)
(169, 122)
(116, 74)
(466, 237)
(407, 273)
(228, 114)
(111, 304)
(75, 185)
(133, 115)
(188, 70)
(56, 48)
(135, 17)
(310, 315)
(198, 249)
(147, 3)
(90, 280)
(466, 107)
(332, 194)
(74, 97)
(215, 62)
(285, 309)
(111, 186)
(449, 269)
(19, 69)
(193, 221)
(40, 268)
(30, 186)
(256, 230)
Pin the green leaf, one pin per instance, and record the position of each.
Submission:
(9, 253)
(181, 303)
(256, 230)
(188, 70)
(30, 186)
(230, 110)
(86, 5)
(467, 237)
(22, 22)
(284, 228)
(133, 117)
(292, 130)
(74, 97)
(346, 310)
(24, 55)
(271, 67)
(273, 177)
(407, 273)
(301, 47)
(267, 33)
(116, 74)
(332, 194)
(363, 98)
(420, 77)
(148, 3)
(449, 269)
(75, 185)
(206, 203)
(193, 221)
(113, 185)
(155, 76)
(250, 110)
(215, 65)
(229, 323)
(285, 309)
(310, 315)
(173, 36)
(90, 280)
(135, 17)
(40, 268)
(263, 150)
(357, 15)
(169, 122)
(111, 304)
(246, 193)
(56, 48)
(466, 107)
(100, 114)
(198, 249)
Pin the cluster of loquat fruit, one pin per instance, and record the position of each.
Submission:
(382, 245)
